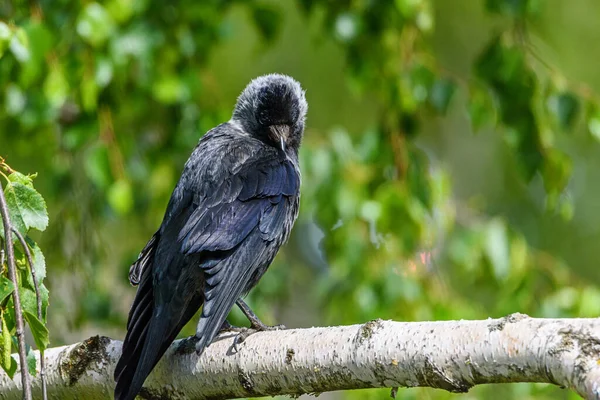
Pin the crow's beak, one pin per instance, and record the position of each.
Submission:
(279, 133)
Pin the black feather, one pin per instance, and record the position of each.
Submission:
(232, 209)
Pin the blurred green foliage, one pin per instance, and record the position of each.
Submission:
(450, 164)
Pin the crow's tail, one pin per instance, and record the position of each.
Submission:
(150, 332)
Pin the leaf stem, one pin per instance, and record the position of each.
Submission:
(5, 177)
(25, 379)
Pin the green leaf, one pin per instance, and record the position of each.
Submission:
(169, 89)
(441, 94)
(5, 36)
(12, 369)
(19, 45)
(39, 261)
(42, 41)
(56, 86)
(15, 100)
(17, 177)
(422, 80)
(89, 95)
(556, 170)
(6, 288)
(31, 205)
(565, 107)
(95, 25)
(31, 362)
(481, 109)
(29, 300)
(14, 213)
(120, 197)
(44, 294)
(594, 125)
(38, 330)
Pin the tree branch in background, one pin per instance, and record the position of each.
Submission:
(38, 298)
(449, 355)
(25, 379)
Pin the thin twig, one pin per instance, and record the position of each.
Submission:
(39, 307)
(25, 379)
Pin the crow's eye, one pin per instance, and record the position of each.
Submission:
(263, 118)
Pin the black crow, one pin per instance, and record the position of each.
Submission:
(232, 209)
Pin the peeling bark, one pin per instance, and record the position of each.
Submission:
(449, 355)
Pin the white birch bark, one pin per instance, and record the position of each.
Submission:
(451, 355)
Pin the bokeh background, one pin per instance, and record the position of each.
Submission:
(450, 164)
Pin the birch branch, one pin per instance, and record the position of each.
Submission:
(450, 355)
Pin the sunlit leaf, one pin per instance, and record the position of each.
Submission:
(593, 124)
(120, 197)
(38, 330)
(556, 171)
(89, 95)
(169, 89)
(15, 99)
(5, 37)
(17, 177)
(28, 204)
(56, 86)
(19, 45)
(95, 25)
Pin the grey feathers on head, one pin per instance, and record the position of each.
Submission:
(272, 100)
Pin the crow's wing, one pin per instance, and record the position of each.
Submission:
(246, 219)
(237, 206)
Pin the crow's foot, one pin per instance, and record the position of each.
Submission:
(187, 345)
(227, 327)
(247, 332)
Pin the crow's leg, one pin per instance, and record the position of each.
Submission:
(256, 325)
(255, 322)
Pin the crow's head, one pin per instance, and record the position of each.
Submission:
(272, 108)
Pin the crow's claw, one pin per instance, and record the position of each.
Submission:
(187, 345)
(244, 333)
